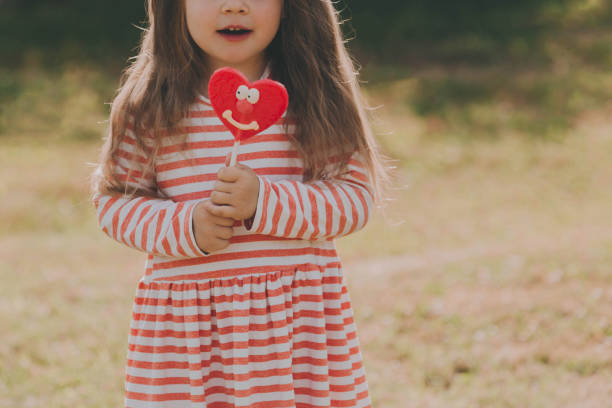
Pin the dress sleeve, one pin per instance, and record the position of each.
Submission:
(150, 224)
(322, 209)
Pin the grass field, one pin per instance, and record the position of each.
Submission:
(487, 282)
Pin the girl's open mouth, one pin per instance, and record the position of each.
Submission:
(234, 35)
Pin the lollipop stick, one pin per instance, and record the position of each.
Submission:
(234, 153)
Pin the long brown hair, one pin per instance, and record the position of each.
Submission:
(307, 55)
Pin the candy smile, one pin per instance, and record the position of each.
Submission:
(228, 115)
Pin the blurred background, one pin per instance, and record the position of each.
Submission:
(487, 280)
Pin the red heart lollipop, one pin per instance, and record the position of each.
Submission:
(246, 108)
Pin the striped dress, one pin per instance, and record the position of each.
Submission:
(266, 322)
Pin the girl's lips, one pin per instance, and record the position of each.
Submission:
(235, 37)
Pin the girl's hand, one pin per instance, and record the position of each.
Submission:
(211, 232)
(235, 192)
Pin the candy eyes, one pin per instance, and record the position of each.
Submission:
(242, 91)
(251, 95)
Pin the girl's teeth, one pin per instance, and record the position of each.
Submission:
(233, 30)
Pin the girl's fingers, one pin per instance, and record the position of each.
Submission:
(221, 243)
(220, 198)
(225, 211)
(224, 232)
(223, 186)
(228, 158)
(229, 174)
(214, 210)
(243, 166)
(222, 221)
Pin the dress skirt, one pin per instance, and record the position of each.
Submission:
(262, 340)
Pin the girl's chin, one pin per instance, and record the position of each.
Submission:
(236, 59)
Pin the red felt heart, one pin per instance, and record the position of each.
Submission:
(246, 108)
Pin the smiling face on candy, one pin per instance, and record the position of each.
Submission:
(246, 98)
(246, 108)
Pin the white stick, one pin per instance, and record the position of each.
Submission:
(234, 153)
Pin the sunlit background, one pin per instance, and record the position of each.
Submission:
(487, 280)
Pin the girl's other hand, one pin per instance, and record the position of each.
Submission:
(235, 192)
(211, 232)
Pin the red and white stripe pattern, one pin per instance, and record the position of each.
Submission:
(158, 226)
(278, 339)
(318, 210)
(266, 322)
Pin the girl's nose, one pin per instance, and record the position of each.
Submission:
(232, 6)
(244, 106)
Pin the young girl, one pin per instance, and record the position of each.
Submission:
(243, 301)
